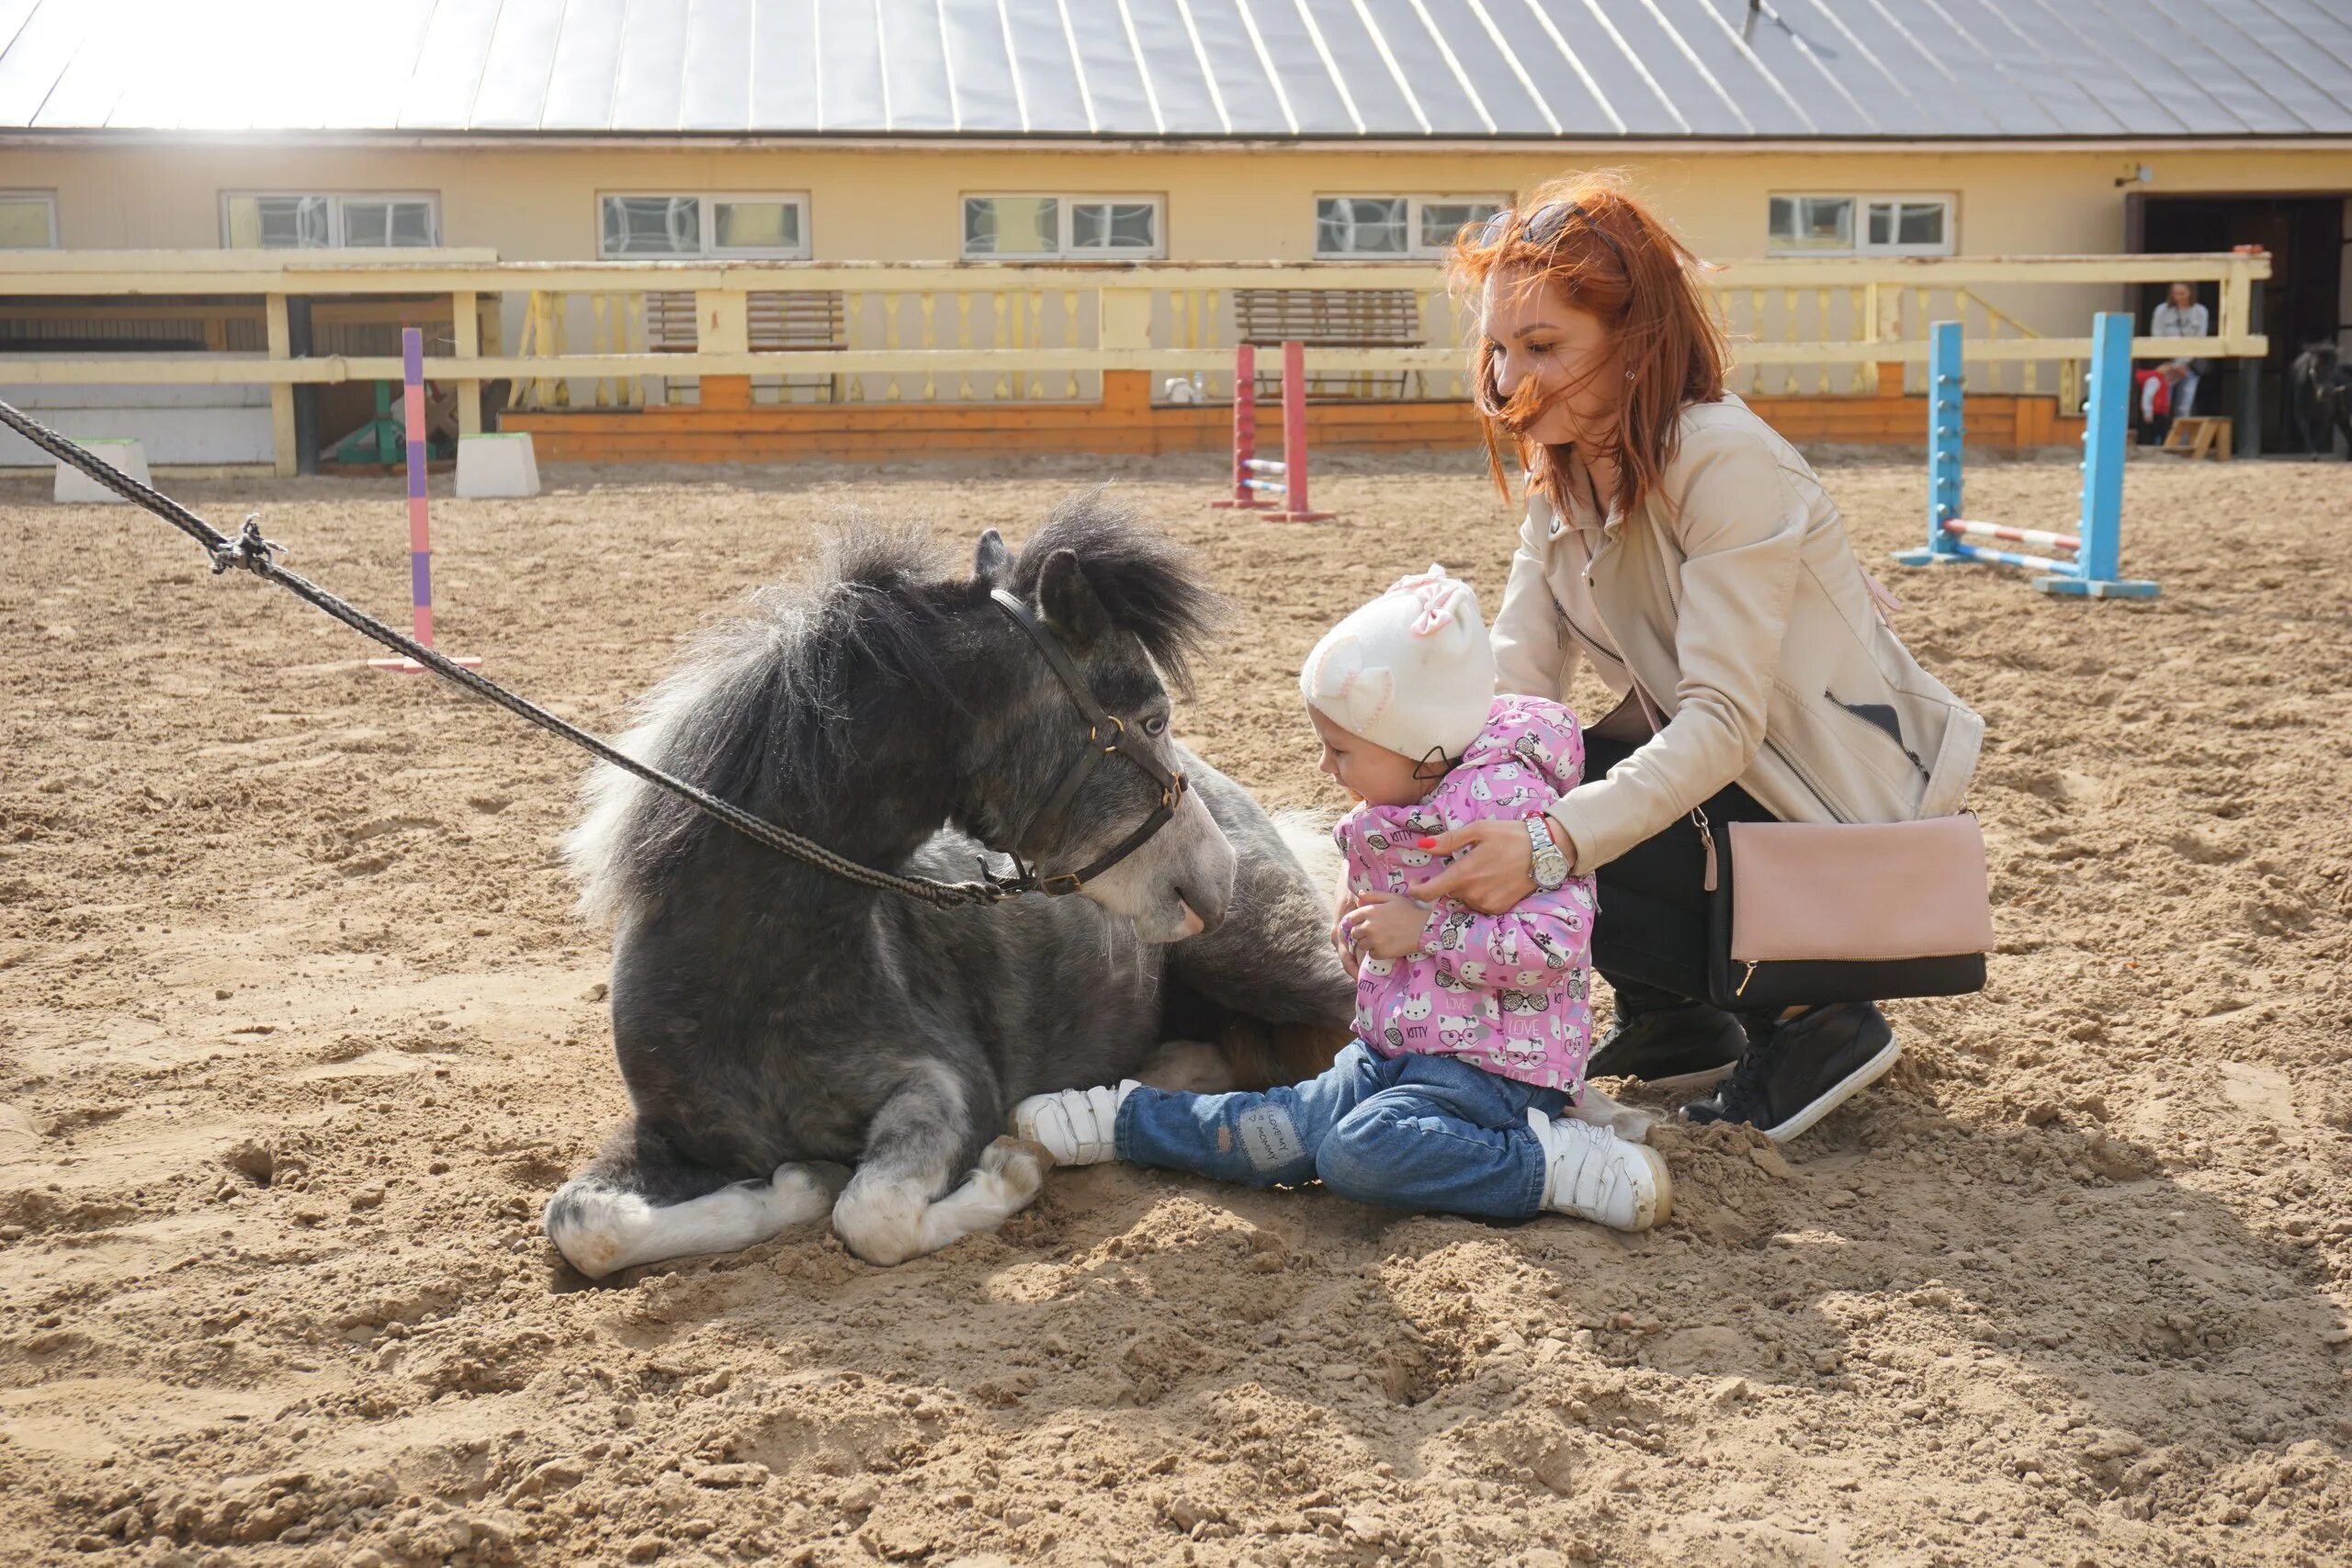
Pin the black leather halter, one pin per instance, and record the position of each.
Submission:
(1100, 725)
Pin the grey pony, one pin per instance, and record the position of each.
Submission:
(775, 1025)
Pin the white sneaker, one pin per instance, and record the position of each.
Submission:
(1073, 1124)
(1593, 1173)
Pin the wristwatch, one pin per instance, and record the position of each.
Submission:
(1551, 865)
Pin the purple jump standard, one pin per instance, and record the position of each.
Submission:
(420, 532)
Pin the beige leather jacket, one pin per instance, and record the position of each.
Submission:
(1732, 596)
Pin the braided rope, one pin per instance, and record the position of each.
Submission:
(254, 553)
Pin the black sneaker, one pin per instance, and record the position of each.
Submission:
(1798, 1072)
(1676, 1049)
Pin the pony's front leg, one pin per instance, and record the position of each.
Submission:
(905, 1197)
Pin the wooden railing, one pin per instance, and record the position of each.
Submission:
(1024, 332)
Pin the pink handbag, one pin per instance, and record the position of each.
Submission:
(1803, 913)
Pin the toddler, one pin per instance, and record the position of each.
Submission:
(1471, 1030)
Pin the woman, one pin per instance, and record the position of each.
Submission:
(1672, 538)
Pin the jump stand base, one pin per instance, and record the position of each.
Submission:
(411, 666)
(2084, 588)
(2074, 561)
(1238, 505)
(1299, 516)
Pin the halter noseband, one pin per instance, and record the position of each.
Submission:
(1100, 723)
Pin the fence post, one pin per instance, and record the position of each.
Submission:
(466, 324)
(723, 326)
(285, 459)
(2247, 431)
(1123, 325)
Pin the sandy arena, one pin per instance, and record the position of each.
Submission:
(297, 1032)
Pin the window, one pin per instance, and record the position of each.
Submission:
(752, 225)
(318, 222)
(27, 220)
(1394, 225)
(1038, 227)
(1861, 225)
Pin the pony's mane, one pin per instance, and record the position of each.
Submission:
(1145, 581)
(763, 709)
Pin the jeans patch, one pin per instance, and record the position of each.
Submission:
(1269, 1138)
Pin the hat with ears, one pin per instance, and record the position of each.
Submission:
(1411, 670)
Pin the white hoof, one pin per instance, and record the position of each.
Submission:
(602, 1229)
(887, 1221)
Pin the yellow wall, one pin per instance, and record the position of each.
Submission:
(539, 204)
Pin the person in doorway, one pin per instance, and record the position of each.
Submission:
(2181, 316)
(1674, 539)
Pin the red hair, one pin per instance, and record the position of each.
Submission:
(1595, 249)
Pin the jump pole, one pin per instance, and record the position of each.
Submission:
(2093, 553)
(1254, 475)
(420, 531)
(1245, 431)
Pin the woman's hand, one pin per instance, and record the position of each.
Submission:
(1386, 925)
(1494, 866)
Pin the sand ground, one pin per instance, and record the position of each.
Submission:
(297, 1034)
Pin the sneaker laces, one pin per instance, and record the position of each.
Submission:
(1744, 1095)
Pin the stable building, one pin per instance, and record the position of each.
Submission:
(1315, 132)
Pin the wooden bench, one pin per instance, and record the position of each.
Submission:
(1333, 318)
(2198, 436)
(781, 321)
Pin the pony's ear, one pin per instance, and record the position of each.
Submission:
(992, 561)
(1067, 600)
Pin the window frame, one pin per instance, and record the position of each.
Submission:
(1065, 225)
(1863, 201)
(707, 203)
(334, 201)
(1414, 250)
(48, 198)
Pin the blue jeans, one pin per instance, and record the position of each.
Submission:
(1431, 1134)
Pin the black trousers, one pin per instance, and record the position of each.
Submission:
(1649, 940)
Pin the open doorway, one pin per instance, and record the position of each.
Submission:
(2302, 300)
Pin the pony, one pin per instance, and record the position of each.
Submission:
(2319, 398)
(796, 1045)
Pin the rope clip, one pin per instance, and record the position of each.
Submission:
(248, 550)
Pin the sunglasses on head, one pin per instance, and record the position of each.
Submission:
(1545, 225)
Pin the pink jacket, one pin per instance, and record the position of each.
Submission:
(1506, 992)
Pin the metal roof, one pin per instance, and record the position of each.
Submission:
(1339, 69)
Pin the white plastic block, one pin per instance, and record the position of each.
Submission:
(497, 466)
(124, 453)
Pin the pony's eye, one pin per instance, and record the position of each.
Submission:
(1155, 726)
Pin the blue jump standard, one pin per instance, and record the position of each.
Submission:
(2093, 573)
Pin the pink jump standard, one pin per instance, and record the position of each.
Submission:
(1250, 472)
(420, 533)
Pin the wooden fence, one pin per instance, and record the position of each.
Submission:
(622, 335)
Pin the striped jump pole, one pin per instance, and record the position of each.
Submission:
(1245, 430)
(420, 531)
(2091, 556)
(1255, 477)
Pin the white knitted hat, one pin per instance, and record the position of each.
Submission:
(1411, 670)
